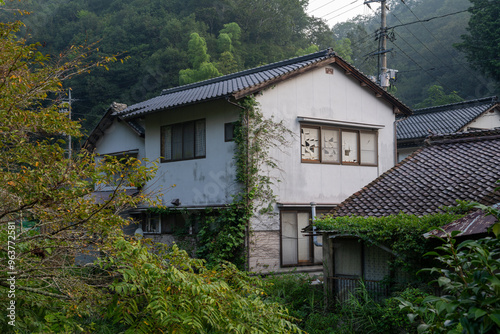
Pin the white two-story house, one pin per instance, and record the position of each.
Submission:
(343, 136)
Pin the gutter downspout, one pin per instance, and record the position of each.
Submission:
(313, 219)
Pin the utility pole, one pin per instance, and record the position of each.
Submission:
(383, 55)
(69, 100)
(69, 115)
(382, 77)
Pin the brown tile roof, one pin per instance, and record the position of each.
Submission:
(461, 166)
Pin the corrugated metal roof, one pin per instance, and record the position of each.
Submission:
(229, 85)
(443, 119)
(477, 222)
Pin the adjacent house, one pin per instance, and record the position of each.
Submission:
(342, 129)
(457, 117)
(461, 166)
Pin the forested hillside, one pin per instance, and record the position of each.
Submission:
(422, 52)
(154, 35)
(159, 40)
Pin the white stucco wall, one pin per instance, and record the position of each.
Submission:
(198, 182)
(488, 120)
(120, 137)
(336, 97)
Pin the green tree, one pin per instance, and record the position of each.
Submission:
(202, 67)
(436, 96)
(48, 214)
(481, 44)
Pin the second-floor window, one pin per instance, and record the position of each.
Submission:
(183, 141)
(330, 145)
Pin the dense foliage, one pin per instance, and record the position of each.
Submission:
(359, 314)
(169, 292)
(481, 41)
(403, 234)
(470, 279)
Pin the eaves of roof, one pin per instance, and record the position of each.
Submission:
(244, 83)
(104, 123)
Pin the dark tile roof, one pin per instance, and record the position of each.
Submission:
(246, 82)
(461, 166)
(137, 127)
(442, 119)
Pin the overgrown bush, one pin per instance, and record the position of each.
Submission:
(172, 293)
(470, 279)
(362, 314)
(303, 299)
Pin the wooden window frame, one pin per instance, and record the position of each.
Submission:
(340, 155)
(183, 124)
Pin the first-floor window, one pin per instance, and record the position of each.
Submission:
(296, 248)
(152, 223)
(324, 144)
(172, 223)
(183, 141)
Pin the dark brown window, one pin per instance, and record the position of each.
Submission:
(330, 145)
(183, 141)
(155, 223)
(229, 131)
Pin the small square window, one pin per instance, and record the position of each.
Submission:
(152, 223)
(229, 133)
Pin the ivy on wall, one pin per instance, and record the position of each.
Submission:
(223, 232)
(402, 233)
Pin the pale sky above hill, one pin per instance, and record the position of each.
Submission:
(334, 11)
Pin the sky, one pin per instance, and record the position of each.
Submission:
(335, 11)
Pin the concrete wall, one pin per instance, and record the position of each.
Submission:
(198, 182)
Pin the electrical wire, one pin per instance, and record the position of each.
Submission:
(429, 19)
(437, 40)
(322, 6)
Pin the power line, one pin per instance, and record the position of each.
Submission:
(418, 39)
(429, 19)
(437, 40)
(336, 10)
(331, 18)
(322, 6)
